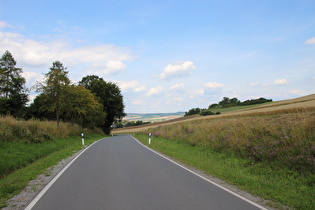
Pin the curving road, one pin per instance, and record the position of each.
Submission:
(119, 173)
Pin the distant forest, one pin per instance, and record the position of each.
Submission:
(225, 103)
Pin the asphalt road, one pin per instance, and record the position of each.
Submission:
(119, 173)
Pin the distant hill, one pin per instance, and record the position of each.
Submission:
(153, 117)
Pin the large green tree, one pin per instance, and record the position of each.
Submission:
(82, 107)
(53, 87)
(13, 93)
(109, 95)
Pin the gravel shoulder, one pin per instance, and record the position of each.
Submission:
(34, 187)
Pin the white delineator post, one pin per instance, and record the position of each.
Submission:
(150, 135)
(82, 138)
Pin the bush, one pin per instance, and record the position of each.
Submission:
(206, 112)
(193, 111)
(255, 101)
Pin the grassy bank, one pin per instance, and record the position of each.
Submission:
(286, 140)
(28, 148)
(282, 186)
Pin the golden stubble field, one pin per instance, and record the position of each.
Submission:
(305, 104)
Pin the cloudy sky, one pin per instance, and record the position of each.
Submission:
(168, 55)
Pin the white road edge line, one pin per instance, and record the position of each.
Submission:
(233, 193)
(46, 188)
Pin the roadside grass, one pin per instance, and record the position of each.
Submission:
(280, 185)
(26, 161)
(22, 142)
(286, 140)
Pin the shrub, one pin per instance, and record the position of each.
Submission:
(206, 112)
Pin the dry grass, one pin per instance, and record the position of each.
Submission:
(287, 139)
(34, 131)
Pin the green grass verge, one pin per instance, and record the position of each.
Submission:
(37, 158)
(279, 185)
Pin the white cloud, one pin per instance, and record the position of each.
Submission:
(37, 55)
(281, 82)
(255, 84)
(196, 93)
(4, 24)
(131, 85)
(155, 91)
(177, 70)
(212, 88)
(298, 92)
(31, 77)
(108, 68)
(258, 84)
(137, 102)
(177, 87)
(310, 41)
(214, 85)
(175, 100)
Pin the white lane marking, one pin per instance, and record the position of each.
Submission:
(46, 188)
(233, 193)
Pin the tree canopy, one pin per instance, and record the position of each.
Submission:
(110, 97)
(13, 93)
(80, 105)
(56, 81)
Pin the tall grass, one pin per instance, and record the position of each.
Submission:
(22, 142)
(34, 131)
(286, 140)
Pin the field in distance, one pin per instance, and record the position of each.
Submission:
(153, 117)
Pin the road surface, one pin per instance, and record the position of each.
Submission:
(119, 173)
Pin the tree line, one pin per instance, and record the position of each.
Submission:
(225, 103)
(92, 102)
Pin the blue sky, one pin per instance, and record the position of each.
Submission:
(169, 55)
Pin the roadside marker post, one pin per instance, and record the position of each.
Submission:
(150, 135)
(82, 135)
